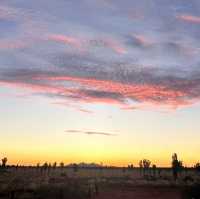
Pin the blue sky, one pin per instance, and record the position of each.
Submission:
(125, 71)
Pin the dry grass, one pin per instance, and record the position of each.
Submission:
(34, 183)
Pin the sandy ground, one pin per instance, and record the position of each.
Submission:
(140, 193)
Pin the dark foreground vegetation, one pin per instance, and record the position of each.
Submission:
(93, 181)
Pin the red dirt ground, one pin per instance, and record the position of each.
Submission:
(141, 193)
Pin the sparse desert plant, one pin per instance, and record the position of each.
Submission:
(141, 166)
(4, 161)
(146, 165)
(197, 167)
(75, 167)
(154, 170)
(38, 165)
(62, 164)
(130, 166)
(54, 165)
(177, 166)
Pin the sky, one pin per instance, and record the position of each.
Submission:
(106, 81)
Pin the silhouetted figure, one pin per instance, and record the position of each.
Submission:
(176, 166)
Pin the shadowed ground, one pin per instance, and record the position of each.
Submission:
(141, 193)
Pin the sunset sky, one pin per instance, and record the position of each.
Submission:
(110, 81)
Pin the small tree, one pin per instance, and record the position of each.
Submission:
(54, 165)
(75, 167)
(177, 166)
(62, 164)
(38, 166)
(154, 170)
(197, 167)
(141, 166)
(4, 161)
(146, 165)
(45, 166)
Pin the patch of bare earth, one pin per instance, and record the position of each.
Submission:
(140, 193)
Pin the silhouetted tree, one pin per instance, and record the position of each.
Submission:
(45, 166)
(141, 167)
(49, 168)
(4, 161)
(154, 170)
(146, 164)
(75, 167)
(130, 166)
(54, 165)
(62, 164)
(197, 167)
(176, 166)
(38, 166)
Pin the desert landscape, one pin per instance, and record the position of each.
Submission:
(99, 99)
(93, 182)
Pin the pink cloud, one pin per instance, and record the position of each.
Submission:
(90, 90)
(189, 18)
(12, 44)
(79, 43)
(35, 88)
(115, 46)
(154, 94)
(64, 39)
(142, 40)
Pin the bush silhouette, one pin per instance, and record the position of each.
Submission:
(144, 166)
(4, 161)
(177, 166)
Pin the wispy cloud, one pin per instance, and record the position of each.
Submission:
(85, 111)
(64, 39)
(171, 90)
(91, 132)
(189, 18)
(15, 44)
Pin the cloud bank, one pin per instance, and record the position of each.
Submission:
(102, 52)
